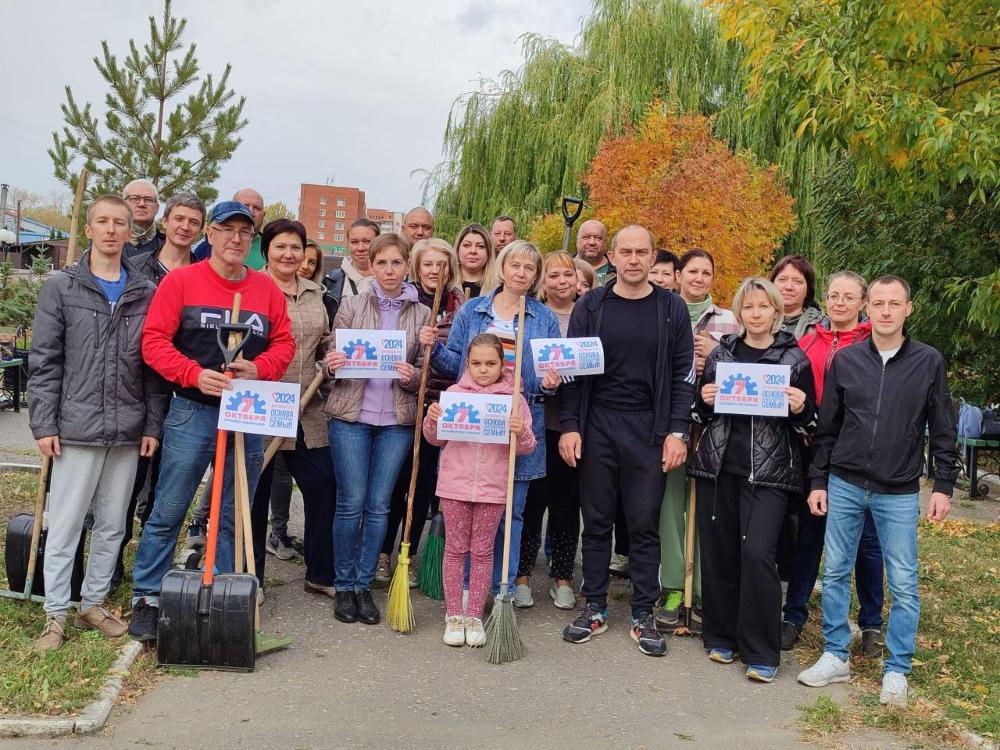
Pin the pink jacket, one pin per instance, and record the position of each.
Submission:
(477, 472)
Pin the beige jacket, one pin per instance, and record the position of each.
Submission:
(346, 395)
(311, 331)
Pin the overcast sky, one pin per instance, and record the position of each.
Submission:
(355, 91)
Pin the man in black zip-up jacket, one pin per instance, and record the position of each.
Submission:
(878, 399)
(95, 408)
(627, 428)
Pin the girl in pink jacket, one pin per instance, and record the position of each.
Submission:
(472, 485)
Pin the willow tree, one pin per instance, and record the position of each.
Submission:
(523, 139)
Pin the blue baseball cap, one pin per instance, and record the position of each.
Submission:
(225, 210)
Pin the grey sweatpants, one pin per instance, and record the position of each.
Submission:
(83, 476)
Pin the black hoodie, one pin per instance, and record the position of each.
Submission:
(873, 417)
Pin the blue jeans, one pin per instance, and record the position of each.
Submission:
(868, 577)
(896, 519)
(366, 461)
(520, 498)
(189, 434)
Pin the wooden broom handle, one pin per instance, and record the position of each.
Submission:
(421, 394)
(36, 530)
(81, 186)
(689, 547)
(274, 444)
(515, 409)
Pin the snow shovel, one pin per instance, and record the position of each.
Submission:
(207, 620)
(571, 210)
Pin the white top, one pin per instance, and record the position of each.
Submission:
(888, 354)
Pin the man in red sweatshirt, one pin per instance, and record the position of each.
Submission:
(179, 342)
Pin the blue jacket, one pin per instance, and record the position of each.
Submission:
(474, 318)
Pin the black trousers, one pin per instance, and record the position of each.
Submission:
(427, 474)
(621, 465)
(312, 470)
(557, 492)
(739, 524)
(147, 466)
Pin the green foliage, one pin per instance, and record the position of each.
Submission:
(178, 146)
(19, 297)
(942, 247)
(277, 210)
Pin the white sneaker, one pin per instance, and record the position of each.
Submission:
(522, 596)
(475, 635)
(454, 631)
(619, 565)
(828, 669)
(894, 689)
(562, 596)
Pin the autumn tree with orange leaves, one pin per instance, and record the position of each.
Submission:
(670, 174)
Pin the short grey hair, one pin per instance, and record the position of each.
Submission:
(141, 181)
(759, 284)
(614, 240)
(519, 247)
(187, 200)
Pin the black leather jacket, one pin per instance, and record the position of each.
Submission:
(775, 458)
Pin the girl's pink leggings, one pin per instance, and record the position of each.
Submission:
(470, 528)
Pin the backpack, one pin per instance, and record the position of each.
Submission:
(970, 421)
(991, 425)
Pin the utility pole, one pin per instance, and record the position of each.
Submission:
(3, 205)
(17, 224)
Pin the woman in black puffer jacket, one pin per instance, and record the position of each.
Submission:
(747, 470)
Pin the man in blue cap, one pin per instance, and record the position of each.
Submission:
(179, 342)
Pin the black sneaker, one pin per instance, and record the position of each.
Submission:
(142, 626)
(592, 621)
(345, 608)
(644, 633)
(367, 611)
(789, 635)
(871, 644)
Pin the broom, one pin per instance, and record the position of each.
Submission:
(431, 560)
(399, 606)
(503, 641)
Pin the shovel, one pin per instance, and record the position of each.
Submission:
(571, 210)
(207, 620)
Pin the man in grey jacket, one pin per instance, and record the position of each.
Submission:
(95, 408)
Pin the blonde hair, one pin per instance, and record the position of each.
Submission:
(442, 246)
(558, 258)
(758, 284)
(588, 271)
(517, 247)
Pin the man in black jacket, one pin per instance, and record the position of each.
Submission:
(627, 428)
(144, 201)
(878, 399)
(95, 408)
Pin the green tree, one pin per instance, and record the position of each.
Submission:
(277, 210)
(150, 130)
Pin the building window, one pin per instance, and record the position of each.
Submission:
(341, 214)
(321, 236)
(322, 201)
(339, 225)
(322, 212)
(322, 225)
(341, 202)
(338, 238)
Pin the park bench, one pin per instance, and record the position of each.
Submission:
(971, 452)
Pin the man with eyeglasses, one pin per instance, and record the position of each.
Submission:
(255, 203)
(179, 342)
(144, 201)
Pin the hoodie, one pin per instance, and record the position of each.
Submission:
(477, 472)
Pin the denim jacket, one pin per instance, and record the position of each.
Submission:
(474, 318)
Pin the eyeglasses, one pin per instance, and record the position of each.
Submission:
(227, 232)
(139, 200)
(847, 299)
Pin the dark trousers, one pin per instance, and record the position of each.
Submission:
(739, 524)
(621, 465)
(427, 473)
(312, 470)
(621, 532)
(146, 467)
(868, 571)
(557, 492)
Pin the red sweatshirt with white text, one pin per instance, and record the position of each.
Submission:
(179, 338)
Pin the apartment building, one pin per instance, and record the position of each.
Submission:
(327, 211)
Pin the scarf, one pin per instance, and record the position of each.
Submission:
(141, 236)
(408, 293)
(697, 309)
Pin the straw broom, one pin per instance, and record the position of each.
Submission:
(399, 606)
(503, 641)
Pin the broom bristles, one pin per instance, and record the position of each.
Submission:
(429, 577)
(399, 608)
(503, 640)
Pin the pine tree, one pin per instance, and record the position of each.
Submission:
(177, 145)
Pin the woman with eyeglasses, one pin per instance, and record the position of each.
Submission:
(845, 299)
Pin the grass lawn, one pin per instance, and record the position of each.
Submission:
(955, 682)
(59, 682)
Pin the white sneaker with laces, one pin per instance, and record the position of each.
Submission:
(619, 564)
(894, 689)
(454, 630)
(475, 634)
(826, 670)
(562, 596)
(522, 596)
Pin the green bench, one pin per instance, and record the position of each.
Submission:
(11, 384)
(970, 448)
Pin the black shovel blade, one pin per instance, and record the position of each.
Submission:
(222, 338)
(207, 629)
